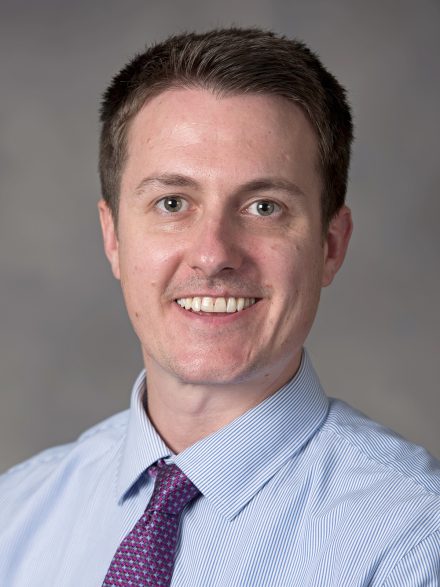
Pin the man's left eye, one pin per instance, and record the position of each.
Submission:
(263, 208)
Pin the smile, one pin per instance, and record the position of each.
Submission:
(215, 305)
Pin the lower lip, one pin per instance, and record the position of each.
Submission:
(216, 318)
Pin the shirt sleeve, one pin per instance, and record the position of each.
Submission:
(420, 567)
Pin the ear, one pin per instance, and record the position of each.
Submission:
(336, 244)
(110, 237)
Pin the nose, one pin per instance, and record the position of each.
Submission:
(215, 246)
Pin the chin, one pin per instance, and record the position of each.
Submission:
(209, 372)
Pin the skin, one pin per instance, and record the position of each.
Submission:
(217, 158)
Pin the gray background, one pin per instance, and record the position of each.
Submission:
(68, 356)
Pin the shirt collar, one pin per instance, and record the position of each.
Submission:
(143, 446)
(230, 466)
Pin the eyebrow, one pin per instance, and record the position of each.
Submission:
(256, 185)
(167, 180)
(266, 184)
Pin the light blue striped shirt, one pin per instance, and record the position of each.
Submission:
(300, 491)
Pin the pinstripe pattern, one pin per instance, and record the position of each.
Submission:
(299, 491)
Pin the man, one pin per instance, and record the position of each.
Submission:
(224, 160)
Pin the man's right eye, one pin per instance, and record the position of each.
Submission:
(172, 204)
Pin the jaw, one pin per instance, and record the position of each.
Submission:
(223, 348)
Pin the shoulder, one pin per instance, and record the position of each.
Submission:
(389, 483)
(375, 493)
(22, 479)
(384, 450)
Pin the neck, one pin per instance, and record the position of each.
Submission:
(184, 413)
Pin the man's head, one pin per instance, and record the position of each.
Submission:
(231, 62)
(213, 219)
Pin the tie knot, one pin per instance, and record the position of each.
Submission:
(172, 489)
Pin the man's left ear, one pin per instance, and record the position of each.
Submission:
(336, 243)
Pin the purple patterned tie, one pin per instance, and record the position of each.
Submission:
(145, 558)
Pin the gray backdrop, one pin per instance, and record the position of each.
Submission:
(68, 356)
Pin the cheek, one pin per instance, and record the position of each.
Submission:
(285, 263)
(297, 270)
(145, 256)
(148, 266)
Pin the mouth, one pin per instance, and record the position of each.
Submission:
(215, 305)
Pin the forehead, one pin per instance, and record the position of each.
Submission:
(239, 135)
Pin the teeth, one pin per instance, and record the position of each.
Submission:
(231, 305)
(196, 304)
(212, 305)
(220, 305)
(207, 305)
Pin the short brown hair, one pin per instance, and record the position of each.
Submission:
(231, 61)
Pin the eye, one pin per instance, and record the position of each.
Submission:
(263, 208)
(172, 204)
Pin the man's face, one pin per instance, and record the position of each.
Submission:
(220, 207)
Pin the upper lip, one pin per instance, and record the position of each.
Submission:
(215, 295)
